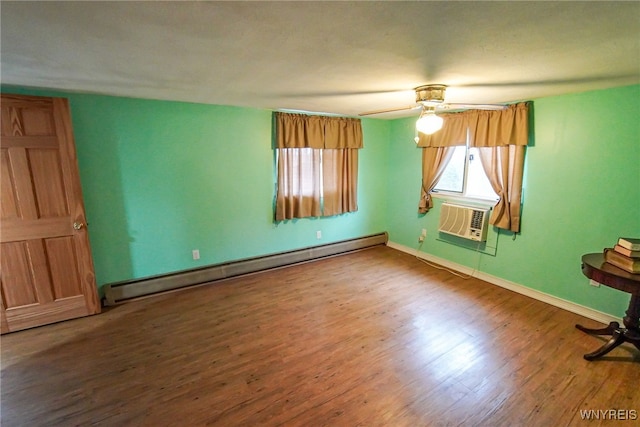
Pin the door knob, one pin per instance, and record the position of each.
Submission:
(78, 225)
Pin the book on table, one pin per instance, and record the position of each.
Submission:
(631, 243)
(631, 265)
(626, 252)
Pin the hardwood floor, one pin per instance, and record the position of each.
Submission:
(373, 338)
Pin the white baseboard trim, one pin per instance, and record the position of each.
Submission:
(587, 312)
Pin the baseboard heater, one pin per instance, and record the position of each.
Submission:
(121, 291)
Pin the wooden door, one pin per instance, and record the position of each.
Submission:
(46, 271)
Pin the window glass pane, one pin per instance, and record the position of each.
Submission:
(478, 184)
(301, 167)
(309, 171)
(452, 178)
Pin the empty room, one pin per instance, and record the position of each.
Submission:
(305, 213)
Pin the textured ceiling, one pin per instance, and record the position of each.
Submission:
(331, 57)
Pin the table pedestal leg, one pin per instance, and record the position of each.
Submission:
(630, 334)
(632, 320)
(604, 331)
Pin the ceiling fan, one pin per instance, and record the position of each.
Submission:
(430, 98)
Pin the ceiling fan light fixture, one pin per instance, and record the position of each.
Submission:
(432, 94)
(428, 122)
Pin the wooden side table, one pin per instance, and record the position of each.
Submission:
(595, 268)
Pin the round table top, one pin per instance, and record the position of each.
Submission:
(595, 267)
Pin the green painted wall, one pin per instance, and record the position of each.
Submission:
(162, 178)
(581, 192)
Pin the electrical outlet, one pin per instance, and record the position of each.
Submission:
(424, 232)
(594, 283)
(318, 234)
(195, 253)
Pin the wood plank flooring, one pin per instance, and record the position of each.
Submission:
(372, 338)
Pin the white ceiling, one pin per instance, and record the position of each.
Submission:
(331, 57)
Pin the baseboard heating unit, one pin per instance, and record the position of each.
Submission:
(121, 291)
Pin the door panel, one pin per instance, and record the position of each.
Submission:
(47, 183)
(9, 206)
(47, 271)
(63, 267)
(17, 276)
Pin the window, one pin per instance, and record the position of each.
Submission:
(316, 182)
(317, 161)
(464, 176)
(501, 137)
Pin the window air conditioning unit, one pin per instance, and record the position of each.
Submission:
(464, 221)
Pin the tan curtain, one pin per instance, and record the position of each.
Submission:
(298, 194)
(303, 131)
(339, 181)
(342, 132)
(504, 166)
(501, 138)
(498, 128)
(434, 162)
(299, 131)
(453, 132)
(334, 142)
(437, 150)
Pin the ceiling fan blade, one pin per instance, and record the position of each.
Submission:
(320, 93)
(551, 82)
(455, 106)
(371, 113)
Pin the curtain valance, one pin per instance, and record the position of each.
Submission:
(453, 132)
(499, 128)
(486, 128)
(319, 132)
